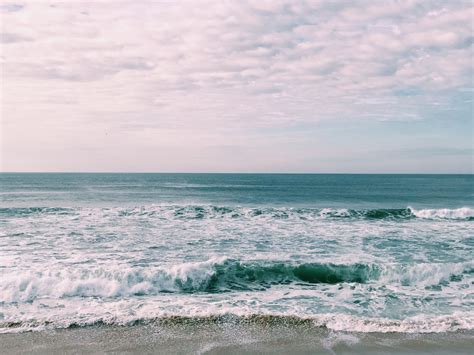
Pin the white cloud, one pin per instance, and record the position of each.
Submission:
(214, 69)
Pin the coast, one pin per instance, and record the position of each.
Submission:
(203, 263)
(216, 338)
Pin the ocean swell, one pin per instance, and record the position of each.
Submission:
(215, 276)
(200, 212)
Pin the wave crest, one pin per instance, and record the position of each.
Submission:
(463, 213)
(216, 275)
(197, 212)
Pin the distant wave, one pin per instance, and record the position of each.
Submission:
(22, 211)
(463, 213)
(221, 212)
(215, 275)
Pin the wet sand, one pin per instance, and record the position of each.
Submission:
(232, 339)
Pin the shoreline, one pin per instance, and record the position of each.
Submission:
(218, 338)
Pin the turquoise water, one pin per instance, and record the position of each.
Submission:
(351, 252)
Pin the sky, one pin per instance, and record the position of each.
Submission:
(237, 86)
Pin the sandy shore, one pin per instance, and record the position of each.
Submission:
(219, 339)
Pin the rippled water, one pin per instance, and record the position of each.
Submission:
(350, 252)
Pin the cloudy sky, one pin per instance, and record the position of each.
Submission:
(237, 86)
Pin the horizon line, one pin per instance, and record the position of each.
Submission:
(232, 173)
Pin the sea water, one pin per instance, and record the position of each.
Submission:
(366, 253)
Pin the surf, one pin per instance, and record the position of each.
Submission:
(202, 212)
(218, 275)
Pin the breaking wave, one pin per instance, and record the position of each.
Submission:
(196, 212)
(463, 213)
(216, 276)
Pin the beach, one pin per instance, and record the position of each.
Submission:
(219, 339)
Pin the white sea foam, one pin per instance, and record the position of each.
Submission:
(99, 282)
(444, 213)
(115, 315)
(423, 274)
(417, 324)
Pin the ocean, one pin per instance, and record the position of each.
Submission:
(350, 253)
